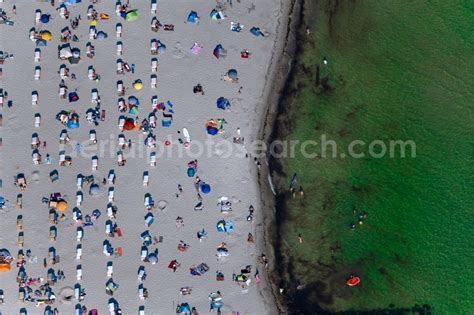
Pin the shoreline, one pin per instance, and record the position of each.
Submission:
(283, 66)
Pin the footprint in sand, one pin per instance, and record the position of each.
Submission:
(178, 51)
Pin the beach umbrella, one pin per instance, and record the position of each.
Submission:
(222, 103)
(72, 124)
(76, 53)
(137, 85)
(101, 35)
(44, 18)
(62, 206)
(73, 97)
(232, 73)
(132, 100)
(46, 35)
(133, 110)
(94, 189)
(131, 16)
(192, 17)
(219, 52)
(205, 188)
(216, 15)
(191, 171)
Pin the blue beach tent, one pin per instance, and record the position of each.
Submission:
(192, 17)
(222, 103)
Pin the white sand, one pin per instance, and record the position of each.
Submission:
(178, 72)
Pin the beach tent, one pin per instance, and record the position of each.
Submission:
(94, 189)
(191, 171)
(2, 202)
(224, 226)
(219, 52)
(196, 49)
(73, 97)
(72, 124)
(131, 16)
(129, 124)
(216, 15)
(137, 85)
(101, 35)
(46, 35)
(222, 103)
(183, 308)
(45, 18)
(193, 17)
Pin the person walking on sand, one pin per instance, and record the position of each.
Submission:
(14, 9)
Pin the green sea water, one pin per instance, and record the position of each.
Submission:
(397, 70)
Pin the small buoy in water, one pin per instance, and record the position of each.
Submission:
(325, 60)
(353, 281)
(167, 142)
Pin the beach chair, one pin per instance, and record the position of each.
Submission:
(37, 55)
(37, 16)
(145, 179)
(2, 99)
(111, 194)
(19, 201)
(79, 234)
(21, 239)
(118, 30)
(153, 7)
(94, 96)
(92, 32)
(37, 73)
(120, 68)
(152, 120)
(63, 12)
(79, 198)
(121, 123)
(37, 120)
(153, 159)
(120, 88)
(110, 269)
(117, 8)
(144, 253)
(78, 252)
(111, 177)
(91, 74)
(154, 65)
(153, 81)
(34, 98)
(154, 103)
(63, 72)
(36, 158)
(92, 137)
(120, 160)
(122, 143)
(80, 181)
(95, 163)
(35, 141)
(119, 48)
(19, 222)
(62, 92)
(62, 158)
(154, 47)
(63, 137)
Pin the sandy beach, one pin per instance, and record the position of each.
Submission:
(221, 160)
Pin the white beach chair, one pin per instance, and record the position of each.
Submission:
(80, 181)
(141, 273)
(111, 177)
(110, 211)
(91, 74)
(34, 98)
(95, 163)
(120, 159)
(62, 92)
(63, 137)
(77, 292)
(154, 65)
(144, 254)
(120, 88)
(63, 13)
(63, 73)
(1, 101)
(154, 47)
(35, 142)
(62, 158)
(121, 123)
(36, 158)
(79, 234)
(33, 35)
(153, 81)
(37, 120)
(79, 252)
(152, 120)
(153, 7)
(92, 137)
(94, 96)
(111, 194)
(122, 142)
(37, 73)
(145, 179)
(141, 311)
(120, 69)
(141, 292)
(154, 102)
(152, 159)
(79, 273)
(38, 16)
(119, 48)
(37, 55)
(108, 228)
(92, 32)
(118, 30)
(79, 198)
(90, 50)
(110, 269)
(117, 8)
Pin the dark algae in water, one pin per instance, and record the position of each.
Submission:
(378, 72)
